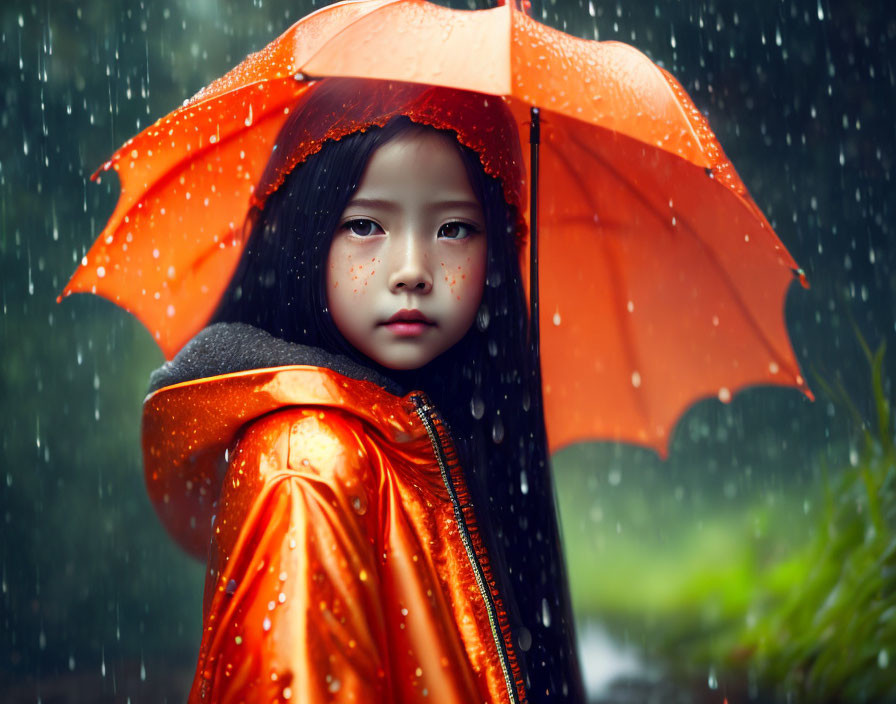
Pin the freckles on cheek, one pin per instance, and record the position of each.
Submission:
(344, 275)
(360, 274)
(455, 277)
(363, 274)
(450, 278)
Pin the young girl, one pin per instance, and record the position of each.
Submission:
(360, 422)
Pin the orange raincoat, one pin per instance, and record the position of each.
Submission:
(344, 559)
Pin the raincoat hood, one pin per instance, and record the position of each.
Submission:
(225, 348)
(229, 375)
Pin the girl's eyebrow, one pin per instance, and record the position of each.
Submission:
(377, 203)
(382, 204)
(447, 204)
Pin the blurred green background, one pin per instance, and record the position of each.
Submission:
(755, 564)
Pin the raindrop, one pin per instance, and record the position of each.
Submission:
(498, 430)
(359, 505)
(477, 407)
(883, 659)
(524, 639)
(545, 613)
(482, 319)
(524, 482)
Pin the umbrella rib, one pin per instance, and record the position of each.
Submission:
(669, 83)
(616, 287)
(197, 264)
(175, 169)
(342, 30)
(711, 256)
(667, 78)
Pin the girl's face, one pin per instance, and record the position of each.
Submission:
(406, 267)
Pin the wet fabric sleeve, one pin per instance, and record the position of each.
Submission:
(292, 604)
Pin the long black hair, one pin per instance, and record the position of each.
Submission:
(482, 386)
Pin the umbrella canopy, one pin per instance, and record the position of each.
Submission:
(660, 280)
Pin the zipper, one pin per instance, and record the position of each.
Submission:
(427, 413)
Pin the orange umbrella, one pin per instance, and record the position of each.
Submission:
(660, 280)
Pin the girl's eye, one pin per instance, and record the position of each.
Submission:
(457, 230)
(362, 227)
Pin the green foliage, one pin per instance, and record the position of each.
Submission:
(828, 632)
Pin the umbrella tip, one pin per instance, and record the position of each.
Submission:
(524, 6)
(801, 275)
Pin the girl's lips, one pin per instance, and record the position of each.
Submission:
(408, 328)
(408, 323)
(409, 316)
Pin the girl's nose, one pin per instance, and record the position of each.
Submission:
(411, 271)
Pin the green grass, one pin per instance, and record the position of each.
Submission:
(827, 613)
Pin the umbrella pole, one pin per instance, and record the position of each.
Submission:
(534, 141)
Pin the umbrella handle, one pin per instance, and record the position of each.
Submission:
(534, 141)
(534, 335)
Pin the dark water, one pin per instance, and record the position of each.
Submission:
(96, 604)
